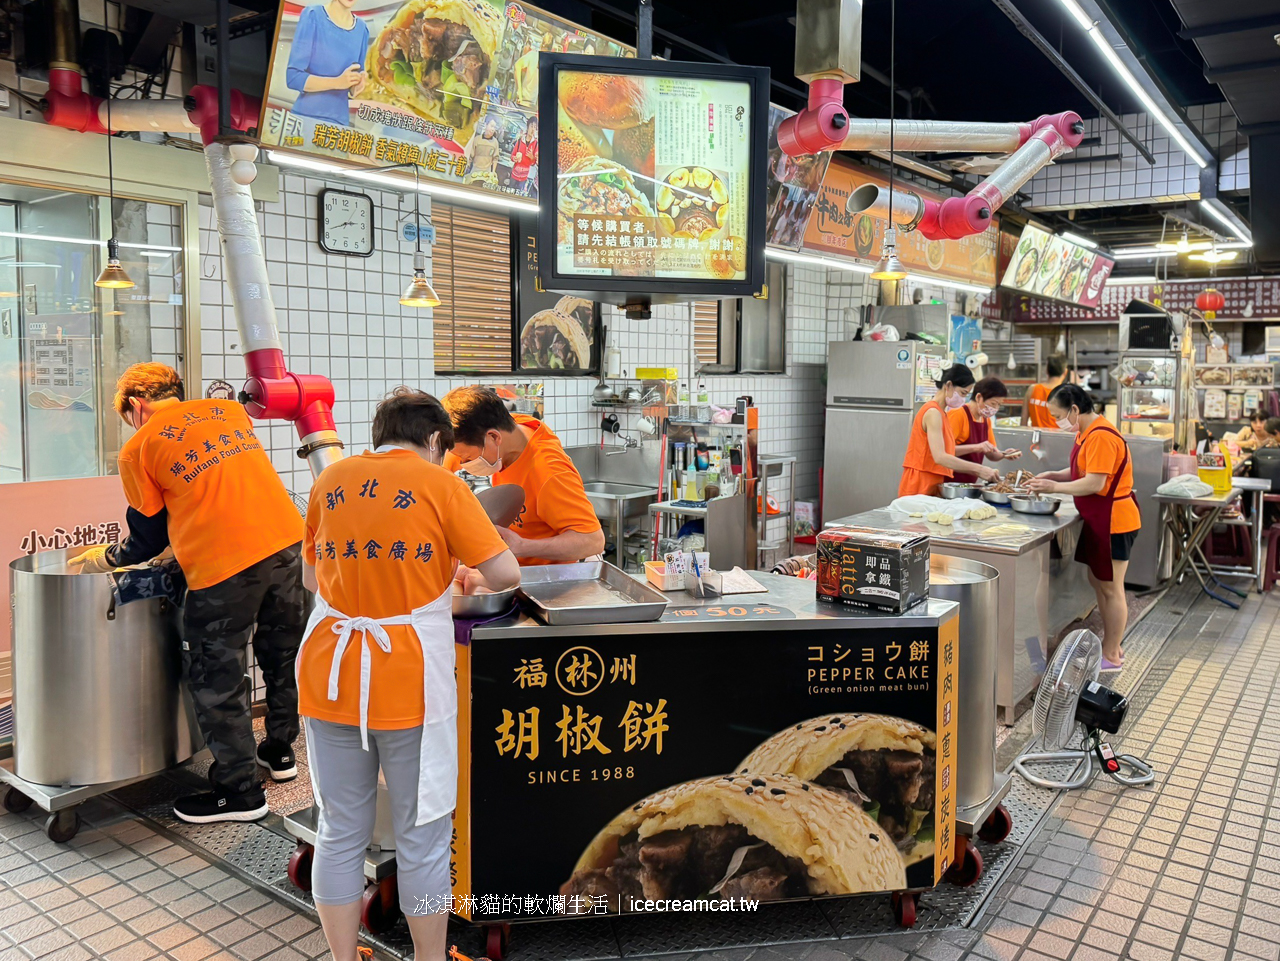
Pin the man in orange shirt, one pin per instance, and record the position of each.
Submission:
(557, 524)
(196, 477)
(376, 670)
(1038, 415)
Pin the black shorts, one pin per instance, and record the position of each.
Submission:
(1122, 545)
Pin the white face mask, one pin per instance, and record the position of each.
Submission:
(956, 400)
(1064, 423)
(482, 466)
(990, 411)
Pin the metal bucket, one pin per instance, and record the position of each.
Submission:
(98, 695)
(973, 586)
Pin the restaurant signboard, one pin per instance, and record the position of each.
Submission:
(1247, 298)
(1046, 265)
(859, 237)
(635, 782)
(449, 86)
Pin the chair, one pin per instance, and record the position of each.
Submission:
(1266, 463)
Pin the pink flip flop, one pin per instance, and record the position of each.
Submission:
(1107, 666)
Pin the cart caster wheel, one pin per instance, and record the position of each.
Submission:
(381, 905)
(62, 826)
(497, 937)
(997, 827)
(300, 866)
(967, 868)
(904, 908)
(15, 802)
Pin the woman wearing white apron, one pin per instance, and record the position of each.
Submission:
(384, 533)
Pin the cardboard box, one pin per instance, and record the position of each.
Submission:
(865, 567)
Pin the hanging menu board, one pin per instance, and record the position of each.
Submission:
(451, 87)
(655, 172)
(1045, 265)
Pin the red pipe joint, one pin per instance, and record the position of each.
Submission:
(67, 105)
(1068, 124)
(202, 108)
(271, 391)
(820, 125)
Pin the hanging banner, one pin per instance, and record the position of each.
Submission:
(1247, 298)
(794, 183)
(1045, 265)
(860, 236)
(451, 87)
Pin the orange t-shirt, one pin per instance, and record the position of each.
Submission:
(1101, 451)
(959, 423)
(382, 531)
(227, 506)
(921, 474)
(1038, 408)
(554, 498)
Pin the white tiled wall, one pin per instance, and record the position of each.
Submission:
(340, 316)
(1174, 177)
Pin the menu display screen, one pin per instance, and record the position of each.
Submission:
(658, 173)
(1045, 265)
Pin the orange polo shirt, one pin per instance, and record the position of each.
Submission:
(1038, 408)
(227, 506)
(921, 474)
(554, 498)
(959, 423)
(1101, 451)
(382, 531)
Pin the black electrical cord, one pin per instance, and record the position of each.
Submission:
(111, 170)
(893, 86)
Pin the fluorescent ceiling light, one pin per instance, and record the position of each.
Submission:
(51, 238)
(1216, 256)
(1147, 254)
(402, 183)
(1104, 45)
(1145, 279)
(1077, 239)
(838, 263)
(1169, 250)
(787, 256)
(1238, 229)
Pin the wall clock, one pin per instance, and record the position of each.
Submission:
(346, 223)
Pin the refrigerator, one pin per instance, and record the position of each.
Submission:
(874, 389)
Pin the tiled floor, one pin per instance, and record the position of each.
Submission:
(1187, 868)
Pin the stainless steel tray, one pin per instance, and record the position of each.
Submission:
(593, 592)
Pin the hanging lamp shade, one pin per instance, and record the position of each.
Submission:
(419, 293)
(113, 276)
(890, 267)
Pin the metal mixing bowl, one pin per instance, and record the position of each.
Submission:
(953, 489)
(1035, 505)
(483, 605)
(996, 497)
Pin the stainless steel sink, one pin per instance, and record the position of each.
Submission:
(611, 499)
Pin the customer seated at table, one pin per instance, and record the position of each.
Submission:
(1248, 438)
(1101, 481)
(385, 531)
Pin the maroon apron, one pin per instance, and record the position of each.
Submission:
(1094, 547)
(979, 433)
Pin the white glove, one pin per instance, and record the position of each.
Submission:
(92, 561)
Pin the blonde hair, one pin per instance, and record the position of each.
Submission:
(149, 381)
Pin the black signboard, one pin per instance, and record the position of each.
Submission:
(566, 734)
(554, 333)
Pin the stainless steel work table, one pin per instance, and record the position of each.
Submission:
(1042, 590)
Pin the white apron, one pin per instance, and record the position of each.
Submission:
(433, 624)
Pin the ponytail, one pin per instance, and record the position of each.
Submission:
(1067, 396)
(958, 375)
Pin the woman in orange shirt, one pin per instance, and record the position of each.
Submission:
(385, 531)
(1101, 480)
(973, 426)
(1038, 415)
(931, 450)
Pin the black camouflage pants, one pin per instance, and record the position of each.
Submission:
(264, 603)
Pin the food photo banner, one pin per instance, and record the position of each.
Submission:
(860, 236)
(1045, 265)
(451, 85)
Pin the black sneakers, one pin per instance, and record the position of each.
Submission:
(219, 805)
(277, 758)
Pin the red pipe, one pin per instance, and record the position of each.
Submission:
(67, 105)
(820, 125)
(272, 391)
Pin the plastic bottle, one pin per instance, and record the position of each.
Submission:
(704, 402)
(683, 411)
